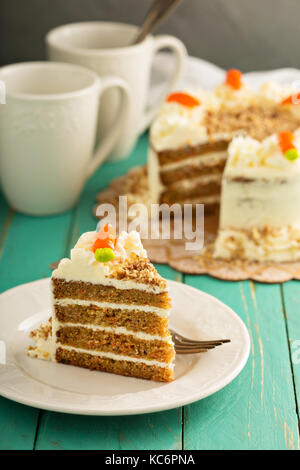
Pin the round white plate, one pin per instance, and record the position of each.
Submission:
(69, 389)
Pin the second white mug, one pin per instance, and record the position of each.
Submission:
(106, 48)
(47, 133)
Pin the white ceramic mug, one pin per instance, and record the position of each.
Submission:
(47, 133)
(105, 48)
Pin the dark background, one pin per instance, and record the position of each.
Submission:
(248, 34)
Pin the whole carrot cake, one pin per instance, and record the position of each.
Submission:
(110, 310)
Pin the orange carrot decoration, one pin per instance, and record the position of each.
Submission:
(234, 79)
(285, 140)
(292, 99)
(184, 99)
(106, 238)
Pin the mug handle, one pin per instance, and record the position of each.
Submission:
(105, 147)
(181, 53)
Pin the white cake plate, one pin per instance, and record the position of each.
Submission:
(70, 389)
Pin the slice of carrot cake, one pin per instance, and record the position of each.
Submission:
(110, 310)
(190, 136)
(260, 218)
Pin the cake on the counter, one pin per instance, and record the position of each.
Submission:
(190, 136)
(260, 200)
(110, 310)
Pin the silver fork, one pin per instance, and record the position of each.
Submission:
(189, 346)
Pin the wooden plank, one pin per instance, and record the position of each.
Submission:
(29, 244)
(150, 431)
(6, 215)
(291, 299)
(17, 422)
(32, 244)
(17, 425)
(257, 410)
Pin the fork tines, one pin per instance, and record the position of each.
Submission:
(189, 346)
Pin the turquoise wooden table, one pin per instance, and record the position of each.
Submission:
(258, 410)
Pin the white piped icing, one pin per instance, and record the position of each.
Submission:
(178, 126)
(249, 156)
(127, 244)
(83, 267)
(275, 93)
(229, 97)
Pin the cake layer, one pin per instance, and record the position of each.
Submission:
(122, 344)
(134, 319)
(121, 367)
(209, 202)
(98, 292)
(209, 159)
(110, 305)
(196, 188)
(201, 167)
(166, 157)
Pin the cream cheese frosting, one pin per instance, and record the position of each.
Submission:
(178, 126)
(83, 267)
(274, 92)
(229, 97)
(249, 156)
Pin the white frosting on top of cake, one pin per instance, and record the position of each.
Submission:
(268, 93)
(249, 156)
(178, 125)
(127, 244)
(274, 92)
(84, 267)
(229, 97)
